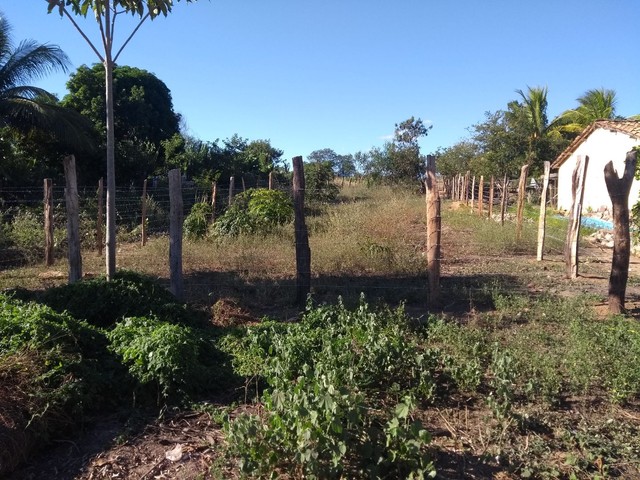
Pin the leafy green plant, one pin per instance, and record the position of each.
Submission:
(323, 414)
(196, 224)
(160, 354)
(255, 211)
(102, 303)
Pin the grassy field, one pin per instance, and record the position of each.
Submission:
(518, 374)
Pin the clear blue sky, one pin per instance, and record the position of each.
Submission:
(310, 74)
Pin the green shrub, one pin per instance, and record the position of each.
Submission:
(162, 355)
(103, 303)
(54, 368)
(196, 224)
(255, 211)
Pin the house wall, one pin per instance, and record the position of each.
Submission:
(601, 147)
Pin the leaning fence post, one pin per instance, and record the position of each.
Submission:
(176, 215)
(481, 196)
(433, 231)
(503, 200)
(542, 220)
(73, 219)
(573, 232)
(303, 252)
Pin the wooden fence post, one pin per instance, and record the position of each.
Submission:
(144, 212)
(465, 188)
(491, 195)
(522, 187)
(542, 219)
(214, 194)
(573, 232)
(619, 192)
(73, 219)
(473, 191)
(48, 222)
(270, 180)
(433, 231)
(303, 252)
(503, 200)
(176, 215)
(481, 195)
(231, 185)
(100, 218)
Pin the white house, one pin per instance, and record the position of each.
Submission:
(602, 141)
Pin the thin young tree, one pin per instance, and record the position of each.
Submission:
(106, 13)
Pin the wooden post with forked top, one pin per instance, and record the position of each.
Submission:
(433, 231)
(619, 189)
(542, 219)
(303, 252)
(573, 232)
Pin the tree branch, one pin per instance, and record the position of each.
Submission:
(130, 37)
(77, 27)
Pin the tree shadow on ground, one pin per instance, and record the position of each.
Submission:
(276, 297)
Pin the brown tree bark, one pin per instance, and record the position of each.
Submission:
(619, 192)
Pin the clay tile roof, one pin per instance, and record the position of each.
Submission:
(629, 127)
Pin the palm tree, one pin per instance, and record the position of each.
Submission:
(594, 104)
(534, 110)
(24, 108)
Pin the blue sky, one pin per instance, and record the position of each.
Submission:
(310, 74)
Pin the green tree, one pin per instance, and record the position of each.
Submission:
(105, 12)
(457, 158)
(594, 104)
(27, 109)
(260, 156)
(143, 116)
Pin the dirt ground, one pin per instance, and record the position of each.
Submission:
(184, 445)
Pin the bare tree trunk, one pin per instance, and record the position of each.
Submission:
(542, 219)
(111, 169)
(522, 187)
(573, 232)
(619, 192)
(73, 219)
(100, 218)
(48, 222)
(176, 215)
(303, 252)
(433, 232)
